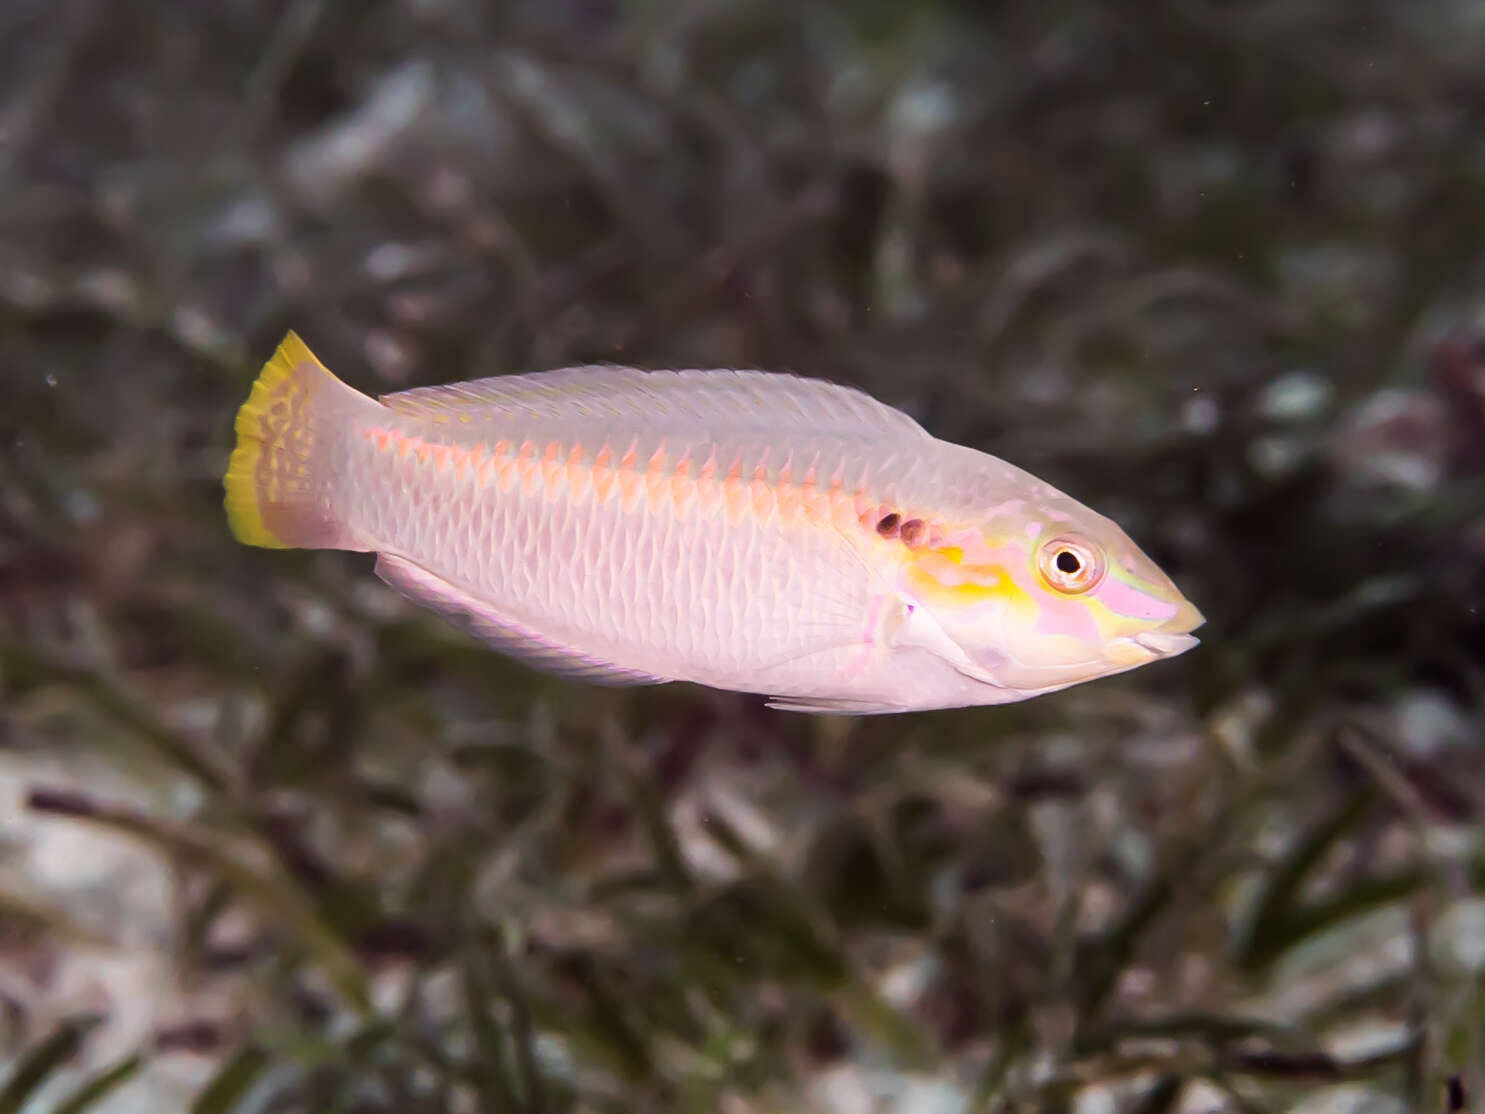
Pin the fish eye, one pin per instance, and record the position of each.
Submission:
(1070, 564)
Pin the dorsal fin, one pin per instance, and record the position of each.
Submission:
(732, 401)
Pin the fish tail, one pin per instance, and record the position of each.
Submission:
(280, 479)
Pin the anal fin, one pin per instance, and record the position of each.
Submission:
(475, 617)
(832, 706)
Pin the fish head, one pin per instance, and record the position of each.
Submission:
(1049, 596)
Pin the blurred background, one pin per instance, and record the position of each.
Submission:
(272, 840)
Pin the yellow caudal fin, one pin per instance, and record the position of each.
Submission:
(279, 490)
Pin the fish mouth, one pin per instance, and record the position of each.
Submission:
(1173, 636)
(1170, 638)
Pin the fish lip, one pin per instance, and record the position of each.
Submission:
(1166, 643)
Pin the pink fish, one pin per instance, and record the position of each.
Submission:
(750, 531)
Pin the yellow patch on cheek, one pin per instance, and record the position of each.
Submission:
(1111, 626)
(1106, 621)
(938, 574)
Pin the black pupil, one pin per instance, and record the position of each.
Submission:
(1067, 561)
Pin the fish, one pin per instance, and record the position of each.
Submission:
(752, 531)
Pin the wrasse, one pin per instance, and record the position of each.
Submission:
(745, 530)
